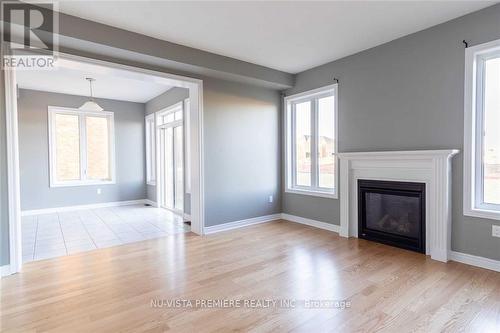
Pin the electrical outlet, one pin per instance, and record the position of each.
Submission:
(99, 191)
(270, 198)
(495, 230)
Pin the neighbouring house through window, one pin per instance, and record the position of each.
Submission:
(81, 147)
(311, 142)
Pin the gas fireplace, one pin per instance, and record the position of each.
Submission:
(392, 213)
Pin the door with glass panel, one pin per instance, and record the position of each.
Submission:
(170, 140)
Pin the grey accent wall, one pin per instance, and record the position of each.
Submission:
(4, 209)
(316, 208)
(168, 98)
(242, 151)
(34, 153)
(403, 95)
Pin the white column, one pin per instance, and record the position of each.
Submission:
(345, 180)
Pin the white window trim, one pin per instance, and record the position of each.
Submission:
(163, 125)
(289, 174)
(187, 144)
(150, 150)
(52, 110)
(169, 109)
(472, 137)
(183, 105)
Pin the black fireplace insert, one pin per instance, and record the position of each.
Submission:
(392, 213)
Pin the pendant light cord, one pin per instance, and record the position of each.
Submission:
(91, 90)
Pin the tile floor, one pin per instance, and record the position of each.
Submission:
(58, 234)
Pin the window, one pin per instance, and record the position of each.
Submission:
(81, 146)
(311, 142)
(150, 150)
(482, 131)
(170, 114)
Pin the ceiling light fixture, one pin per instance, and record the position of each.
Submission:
(90, 105)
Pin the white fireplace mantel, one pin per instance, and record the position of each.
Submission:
(432, 167)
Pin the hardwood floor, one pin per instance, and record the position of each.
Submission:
(112, 289)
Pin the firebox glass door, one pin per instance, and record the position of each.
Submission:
(395, 214)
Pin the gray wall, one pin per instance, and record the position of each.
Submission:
(4, 209)
(403, 95)
(34, 162)
(168, 98)
(242, 151)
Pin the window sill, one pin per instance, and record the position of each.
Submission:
(329, 195)
(75, 184)
(483, 213)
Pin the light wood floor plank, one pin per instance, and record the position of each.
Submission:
(390, 290)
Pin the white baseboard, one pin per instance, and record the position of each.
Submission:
(81, 207)
(269, 218)
(150, 202)
(312, 223)
(185, 216)
(5, 270)
(241, 223)
(472, 260)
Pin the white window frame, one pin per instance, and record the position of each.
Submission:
(474, 204)
(168, 110)
(150, 149)
(187, 145)
(83, 181)
(172, 109)
(290, 184)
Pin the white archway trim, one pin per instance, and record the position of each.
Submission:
(195, 87)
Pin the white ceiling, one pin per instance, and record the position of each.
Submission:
(69, 78)
(286, 35)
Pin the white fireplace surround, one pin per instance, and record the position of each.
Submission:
(432, 167)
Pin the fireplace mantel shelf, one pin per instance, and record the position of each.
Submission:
(399, 154)
(432, 167)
